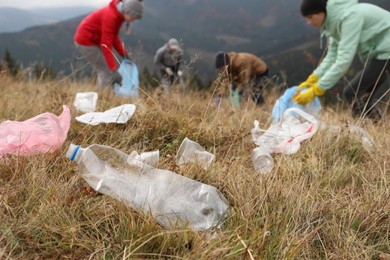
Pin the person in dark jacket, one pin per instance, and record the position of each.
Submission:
(168, 60)
(351, 28)
(242, 71)
(97, 36)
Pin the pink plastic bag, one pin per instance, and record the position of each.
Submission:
(41, 134)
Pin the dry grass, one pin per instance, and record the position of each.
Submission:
(328, 201)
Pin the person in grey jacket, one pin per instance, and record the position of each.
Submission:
(351, 28)
(168, 60)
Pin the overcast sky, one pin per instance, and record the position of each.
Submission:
(23, 4)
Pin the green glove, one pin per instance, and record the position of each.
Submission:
(235, 97)
(309, 95)
(312, 79)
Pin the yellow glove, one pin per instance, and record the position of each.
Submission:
(309, 95)
(312, 79)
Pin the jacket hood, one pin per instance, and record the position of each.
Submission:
(336, 10)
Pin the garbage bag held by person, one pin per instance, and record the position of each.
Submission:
(97, 37)
(286, 101)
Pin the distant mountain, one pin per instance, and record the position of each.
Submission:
(271, 29)
(13, 19)
(63, 13)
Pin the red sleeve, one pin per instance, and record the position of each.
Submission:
(109, 39)
(119, 46)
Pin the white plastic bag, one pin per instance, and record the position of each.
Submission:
(118, 115)
(286, 135)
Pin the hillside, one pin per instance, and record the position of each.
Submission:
(330, 200)
(11, 19)
(267, 29)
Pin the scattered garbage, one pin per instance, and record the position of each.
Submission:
(262, 160)
(256, 131)
(284, 136)
(150, 158)
(130, 81)
(365, 137)
(86, 101)
(174, 201)
(190, 151)
(41, 134)
(118, 115)
(285, 101)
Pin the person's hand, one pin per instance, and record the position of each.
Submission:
(179, 73)
(309, 95)
(312, 79)
(169, 71)
(116, 77)
(127, 56)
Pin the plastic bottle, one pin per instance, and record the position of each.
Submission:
(173, 200)
(262, 160)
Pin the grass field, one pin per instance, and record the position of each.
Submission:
(328, 201)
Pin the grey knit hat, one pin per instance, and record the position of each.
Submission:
(174, 44)
(133, 8)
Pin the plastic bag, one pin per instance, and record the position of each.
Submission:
(41, 134)
(119, 115)
(286, 135)
(130, 81)
(174, 201)
(285, 101)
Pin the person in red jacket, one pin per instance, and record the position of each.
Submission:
(97, 36)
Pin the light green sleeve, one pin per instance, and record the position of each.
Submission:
(329, 59)
(344, 52)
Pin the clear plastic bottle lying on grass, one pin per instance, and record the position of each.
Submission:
(174, 200)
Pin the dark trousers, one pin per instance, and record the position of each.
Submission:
(169, 79)
(257, 88)
(367, 87)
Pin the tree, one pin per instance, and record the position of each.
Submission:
(11, 65)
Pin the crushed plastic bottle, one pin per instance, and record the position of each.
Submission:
(175, 201)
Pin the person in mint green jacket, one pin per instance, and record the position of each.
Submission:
(351, 28)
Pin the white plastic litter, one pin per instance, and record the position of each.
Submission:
(365, 137)
(174, 201)
(119, 115)
(86, 101)
(262, 160)
(150, 158)
(284, 137)
(256, 131)
(190, 151)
